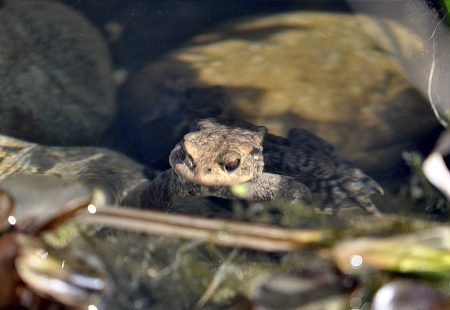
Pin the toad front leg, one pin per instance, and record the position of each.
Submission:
(168, 185)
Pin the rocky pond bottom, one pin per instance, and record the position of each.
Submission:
(90, 114)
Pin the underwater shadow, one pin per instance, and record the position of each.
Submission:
(159, 105)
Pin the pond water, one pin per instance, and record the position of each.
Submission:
(317, 120)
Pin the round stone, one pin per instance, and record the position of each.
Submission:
(56, 84)
(319, 71)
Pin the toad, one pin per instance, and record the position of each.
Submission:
(221, 154)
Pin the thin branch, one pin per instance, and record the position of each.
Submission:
(222, 232)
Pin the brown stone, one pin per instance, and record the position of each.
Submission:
(318, 71)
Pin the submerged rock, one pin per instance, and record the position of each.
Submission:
(314, 70)
(304, 289)
(120, 177)
(56, 84)
(413, 295)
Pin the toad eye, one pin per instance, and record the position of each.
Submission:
(190, 161)
(182, 156)
(232, 166)
(256, 152)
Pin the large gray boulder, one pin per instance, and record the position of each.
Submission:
(56, 83)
